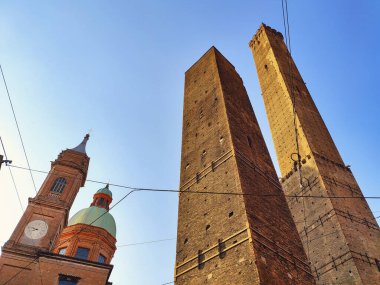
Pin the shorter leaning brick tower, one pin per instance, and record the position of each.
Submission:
(247, 235)
(340, 235)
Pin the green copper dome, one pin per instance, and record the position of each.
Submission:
(89, 215)
(105, 190)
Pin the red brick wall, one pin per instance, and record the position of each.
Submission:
(46, 269)
(97, 240)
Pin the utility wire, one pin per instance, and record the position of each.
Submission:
(135, 189)
(18, 128)
(145, 242)
(207, 192)
(285, 15)
(24, 268)
(11, 173)
(86, 226)
(26, 158)
(2, 144)
(22, 141)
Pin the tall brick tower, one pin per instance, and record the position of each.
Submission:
(29, 256)
(340, 235)
(246, 236)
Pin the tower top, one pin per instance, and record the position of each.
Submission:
(263, 29)
(82, 146)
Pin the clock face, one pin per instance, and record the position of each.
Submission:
(36, 229)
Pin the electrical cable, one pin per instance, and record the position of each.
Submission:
(2, 144)
(24, 268)
(13, 179)
(207, 192)
(145, 242)
(23, 145)
(88, 225)
(18, 128)
(285, 14)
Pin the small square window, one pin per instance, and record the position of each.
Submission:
(101, 259)
(82, 253)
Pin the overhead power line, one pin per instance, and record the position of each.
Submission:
(18, 128)
(18, 272)
(11, 173)
(297, 163)
(22, 143)
(208, 192)
(145, 242)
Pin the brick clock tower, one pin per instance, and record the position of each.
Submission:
(248, 235)
(341, 236)
(31, 253)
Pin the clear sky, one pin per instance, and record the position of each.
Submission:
(117, 67)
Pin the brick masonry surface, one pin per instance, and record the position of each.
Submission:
(230, 239)
(340, 235)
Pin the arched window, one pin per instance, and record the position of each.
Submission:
(58, 185)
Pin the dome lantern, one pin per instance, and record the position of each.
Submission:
(102, 198)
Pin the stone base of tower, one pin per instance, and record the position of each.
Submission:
(48, 268)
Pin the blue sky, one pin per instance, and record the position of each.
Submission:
(117, 67)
